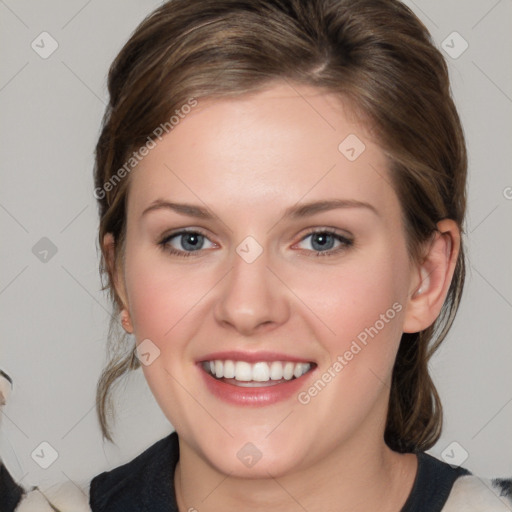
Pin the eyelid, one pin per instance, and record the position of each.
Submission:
(328, 229)
(179, 231)
(346, 241)
(323, 229)
(166, 237)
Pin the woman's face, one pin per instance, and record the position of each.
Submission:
(251, 284)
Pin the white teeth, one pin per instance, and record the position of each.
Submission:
(242, 370)
(229, 369)
(300, 369)
(276, 370)
(219, 369)
(259, 372)
(288, 371)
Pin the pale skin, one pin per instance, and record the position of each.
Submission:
(247, 160)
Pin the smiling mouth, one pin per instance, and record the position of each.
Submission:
(259, 374)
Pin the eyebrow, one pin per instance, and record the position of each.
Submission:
(293, 212)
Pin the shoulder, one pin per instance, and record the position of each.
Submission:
(66, 497)
(441, 487)
(471, 493)
(136, 485)
(145, 478)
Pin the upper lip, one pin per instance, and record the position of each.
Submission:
(253, 357)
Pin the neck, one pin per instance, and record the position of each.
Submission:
(357, 476)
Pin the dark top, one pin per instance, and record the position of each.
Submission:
(146, 483)
(10, 492)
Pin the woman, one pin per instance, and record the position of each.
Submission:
(281, 187)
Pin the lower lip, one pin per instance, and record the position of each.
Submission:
(257, 396)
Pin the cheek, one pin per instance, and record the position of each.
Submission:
(161, 297)
(361, 312)
(164, 304)
(352, 297)
(360, 305)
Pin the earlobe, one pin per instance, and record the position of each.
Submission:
(432, 277)
(126, 321)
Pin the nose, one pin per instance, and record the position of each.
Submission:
(252, 298)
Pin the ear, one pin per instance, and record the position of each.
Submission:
(432, 278)
(116, 276)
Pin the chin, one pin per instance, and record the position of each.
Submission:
(253, 460)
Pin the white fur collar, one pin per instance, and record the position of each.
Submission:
(473, 494)
(63, 498)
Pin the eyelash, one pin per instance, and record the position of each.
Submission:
(345, 242)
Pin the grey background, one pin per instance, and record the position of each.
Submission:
(54, 317)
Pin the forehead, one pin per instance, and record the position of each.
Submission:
(271, 148)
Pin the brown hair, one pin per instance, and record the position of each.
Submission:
(375, 54)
